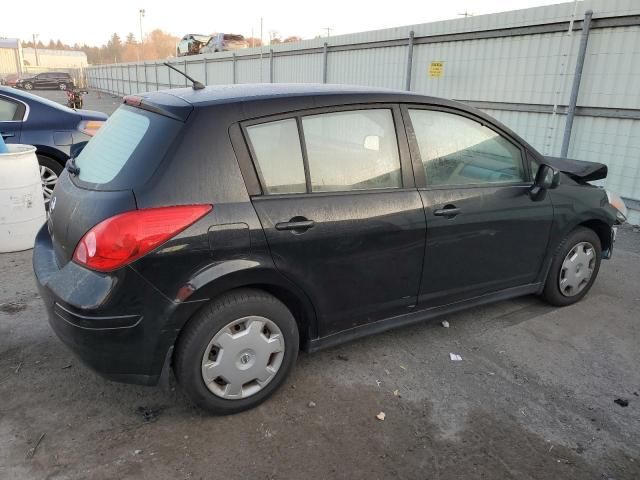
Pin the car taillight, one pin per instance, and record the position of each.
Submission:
(90, 127)
(119, 240)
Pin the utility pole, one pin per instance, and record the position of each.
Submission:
(328, 29)
(35, 47)
(142, 12)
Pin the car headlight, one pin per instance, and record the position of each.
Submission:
(616, 201)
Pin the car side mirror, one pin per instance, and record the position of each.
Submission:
(547, 178)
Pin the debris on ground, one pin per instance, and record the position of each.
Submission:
(137, 452)
(381, 416)
(396, 393)
(12, 307)
(455, 357)
(149, 414)
(622, 402)
(311, 404)
(67, 366)
(403, 367)
(32, 451)
(445, 324)
(344, 358)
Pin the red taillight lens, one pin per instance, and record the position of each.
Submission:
(119, 240)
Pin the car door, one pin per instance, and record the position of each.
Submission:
(44, 80)
(484, 231)
(340, 211)
(11, 114)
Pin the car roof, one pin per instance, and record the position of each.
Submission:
(223, 94)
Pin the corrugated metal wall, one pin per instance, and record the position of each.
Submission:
(518, 66)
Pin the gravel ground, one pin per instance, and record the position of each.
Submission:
(533, 398)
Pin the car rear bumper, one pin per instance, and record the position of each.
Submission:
(117, 324)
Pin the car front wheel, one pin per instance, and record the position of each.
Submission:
(574, 268)
(237, 351)
(28, 86)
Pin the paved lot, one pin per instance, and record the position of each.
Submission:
(103, 102)
(533, 398)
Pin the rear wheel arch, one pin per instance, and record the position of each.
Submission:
(297, 303)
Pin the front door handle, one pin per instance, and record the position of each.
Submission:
(296, 225)
(7, 135)
(449, 211)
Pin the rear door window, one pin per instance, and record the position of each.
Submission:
(8, 110)
(352, 150)
(127, 148)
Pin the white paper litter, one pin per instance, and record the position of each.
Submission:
(455, 357)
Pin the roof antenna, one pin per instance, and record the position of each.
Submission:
(196, 84)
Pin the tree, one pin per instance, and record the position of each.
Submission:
(254, 42)
(114, 48)
(131, 39)
(292, 39)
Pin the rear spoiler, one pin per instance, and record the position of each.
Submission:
(578, 169)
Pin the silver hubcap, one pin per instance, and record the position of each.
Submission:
(62, 86)
(28, 86)
(577, 269)
(243, 357)
(49, 179)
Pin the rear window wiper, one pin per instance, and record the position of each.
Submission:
(72, 168)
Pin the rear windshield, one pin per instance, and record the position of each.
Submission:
(127, 149)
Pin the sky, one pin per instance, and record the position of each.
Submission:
(93, 23)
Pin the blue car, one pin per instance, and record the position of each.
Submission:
(57, 132)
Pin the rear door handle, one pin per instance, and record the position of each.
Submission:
(447, 211)
(300, 225)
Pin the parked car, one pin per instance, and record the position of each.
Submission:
(10, 80)
(195, 44)
(56, 131)
(218, 231)
(57, 80)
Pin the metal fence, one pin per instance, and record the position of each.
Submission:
(566, 80)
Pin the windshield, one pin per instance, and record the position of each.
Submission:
(127, 149)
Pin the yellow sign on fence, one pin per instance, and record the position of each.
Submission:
(436, 69)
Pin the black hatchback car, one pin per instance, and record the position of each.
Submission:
(218, 231)
(57, 80)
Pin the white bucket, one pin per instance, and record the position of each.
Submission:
(22, 211)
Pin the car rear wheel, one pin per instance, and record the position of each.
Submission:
(574, 268)
(237, 351)
(50, 170)
(62, 86)
(28, 86)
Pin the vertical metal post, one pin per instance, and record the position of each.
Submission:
(206, 72)
(575, 88)
(186, 81)
(146, 80)
(137, 79)
(325, 54)
(407, 78)
(233, 66)
(157, 81)
(169, 73)
(271, 65)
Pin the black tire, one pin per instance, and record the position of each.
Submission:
(55, 167)
(207, 323)
(552, 293)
